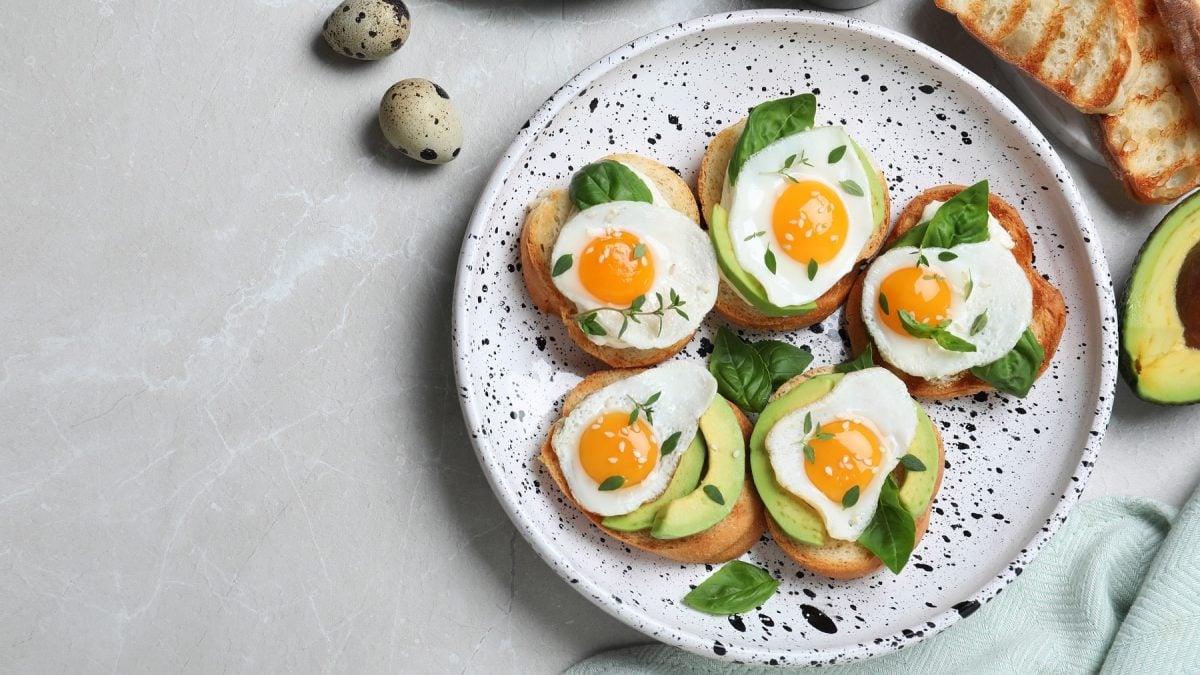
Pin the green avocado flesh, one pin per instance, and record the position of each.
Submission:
(1160, 322)
(726, 472)
(794, 516)
(749, 287)
(685, 480)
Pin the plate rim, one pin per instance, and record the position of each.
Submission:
(1104, 296)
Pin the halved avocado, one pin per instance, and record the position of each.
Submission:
(1160, 321)
(745, 283)
(685, 479)
(796, 517)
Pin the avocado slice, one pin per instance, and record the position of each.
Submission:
(726, 472)
(794, 516)
(685, 480)
(1160, 321)
(745, 283)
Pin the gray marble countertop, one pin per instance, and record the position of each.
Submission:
(228, 421)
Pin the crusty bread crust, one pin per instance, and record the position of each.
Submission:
(845, 559)
(724, 541)
(543, 222)
(1049, 309)
(1182, 19)
(710, 185)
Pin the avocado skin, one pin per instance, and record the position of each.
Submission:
(726, 470)
(685, 480)
(746, 285)
(1137, 312)
(799, 520)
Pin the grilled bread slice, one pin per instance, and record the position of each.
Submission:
(1182, 19)
(1049, 308)
(1153, 143)
(1083, 50)
(724, 541)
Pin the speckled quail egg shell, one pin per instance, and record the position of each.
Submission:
(419, 120)
(367, 29)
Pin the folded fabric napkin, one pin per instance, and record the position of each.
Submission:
(1117, 590)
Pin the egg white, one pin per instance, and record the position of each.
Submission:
(999, 287)
(873, 396)
(687, 389)
(751, 200)
(683, 261)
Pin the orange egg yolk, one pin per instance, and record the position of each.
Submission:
(852, 457)
(810, 222)
(919, 290)
(616, 268)
(610, 446)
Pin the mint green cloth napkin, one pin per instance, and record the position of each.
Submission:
(1117, 590)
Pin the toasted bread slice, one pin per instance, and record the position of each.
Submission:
(1049, 309)
(1182, 20)
(724, 541)
(1083, 50)
(845, 559)
(710, 185)
(1153, 143)
(545, 219)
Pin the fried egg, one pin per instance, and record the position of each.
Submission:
(979, 288)
(602, 440)
(624, 254)
(858, 432)
(794, 210)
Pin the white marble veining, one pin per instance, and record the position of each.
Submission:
(228, 427)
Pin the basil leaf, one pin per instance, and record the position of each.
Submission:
(963, 219)
(563, 264)
(784, 361)
(742, 375)
(769, 122)
(607, 181)
(951, 342)
(861, 362)
(1014, 372)
(668, 445)
(714, 493)
(892, 532)
(911, 462)
(916, 328)
(735, 588)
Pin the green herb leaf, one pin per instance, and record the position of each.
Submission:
(784, 361)
(866, 359)
(947, 256)
(823, 436)
(812, 268)
(808, 423)
(852, 188)
(563, 264)
(836, 154)
(951, 342)
(912, 463)
(714, 493)
(668, 445)
(969, 287)
(624, 327)
(769, 260)
(787, 163)
(755, 235)
(612, 483)
(639, 250)
(735, 588)
(810, 454)
(653, 399)
(892, 533)
(963, 219)
(979, 323)
(637, 303)
(922, 261)
(607, 181)
(741, 374)
(1014, 372)
(916, 328)
(769, 122)
(883, 304)
(590, 326)
(850, 498)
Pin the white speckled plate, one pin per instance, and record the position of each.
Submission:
(1014, 467)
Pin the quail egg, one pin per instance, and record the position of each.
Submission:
(419, 120)
(367, 29)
